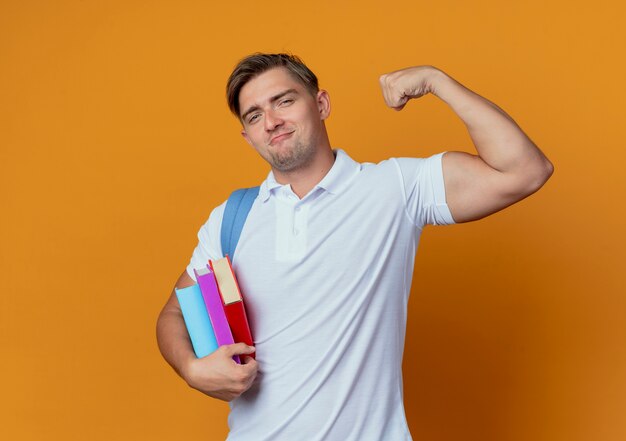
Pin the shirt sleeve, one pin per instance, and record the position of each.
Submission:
(209, 244)
(425, 190)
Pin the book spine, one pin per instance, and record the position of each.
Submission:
(215, 309)
(197, 320)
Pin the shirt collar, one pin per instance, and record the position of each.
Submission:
(343, 170)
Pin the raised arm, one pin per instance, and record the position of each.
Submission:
(215, 375)
(508, 167)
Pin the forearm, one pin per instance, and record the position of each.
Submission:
(499, 141)
(173, 340)
(215, 375)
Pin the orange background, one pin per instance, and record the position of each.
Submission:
(116, 143)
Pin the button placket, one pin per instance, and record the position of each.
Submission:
(292, 215)
(299, 220)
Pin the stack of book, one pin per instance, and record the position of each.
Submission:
(213, 309)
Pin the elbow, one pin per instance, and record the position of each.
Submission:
(547, 171)
(539, 175)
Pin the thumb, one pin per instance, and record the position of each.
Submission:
(239, 349)
(399, 102)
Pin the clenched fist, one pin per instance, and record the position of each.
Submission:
(402, 85)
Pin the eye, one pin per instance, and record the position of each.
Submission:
(286, 102)
(253, 118)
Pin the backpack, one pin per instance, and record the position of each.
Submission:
(237, 208)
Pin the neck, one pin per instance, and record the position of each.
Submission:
(302, 180)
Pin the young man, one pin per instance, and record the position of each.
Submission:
(326, 256)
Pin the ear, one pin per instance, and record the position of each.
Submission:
(323, 104)
(246, 137)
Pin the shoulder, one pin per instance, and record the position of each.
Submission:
(419, 162)
(212, 225)
(394, 164)
(393, 170)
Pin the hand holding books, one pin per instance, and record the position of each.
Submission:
(218, 376)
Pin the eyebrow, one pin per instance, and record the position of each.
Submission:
(273, 99)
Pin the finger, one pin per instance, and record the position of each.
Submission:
(251, 367)
(393, 98)
(249, 363)
(238, 349)
(246, 359)
(389, 98)
(247, 381)
(400, 103)
(384, 86)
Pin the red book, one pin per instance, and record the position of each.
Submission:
(233, 300)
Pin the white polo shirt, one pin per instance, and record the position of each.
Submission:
(326, 281)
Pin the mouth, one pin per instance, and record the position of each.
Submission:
(280, 137)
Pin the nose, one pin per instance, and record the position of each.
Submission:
(272, 120)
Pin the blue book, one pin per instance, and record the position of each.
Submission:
(197, 320)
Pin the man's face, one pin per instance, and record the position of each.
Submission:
(282, 120)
